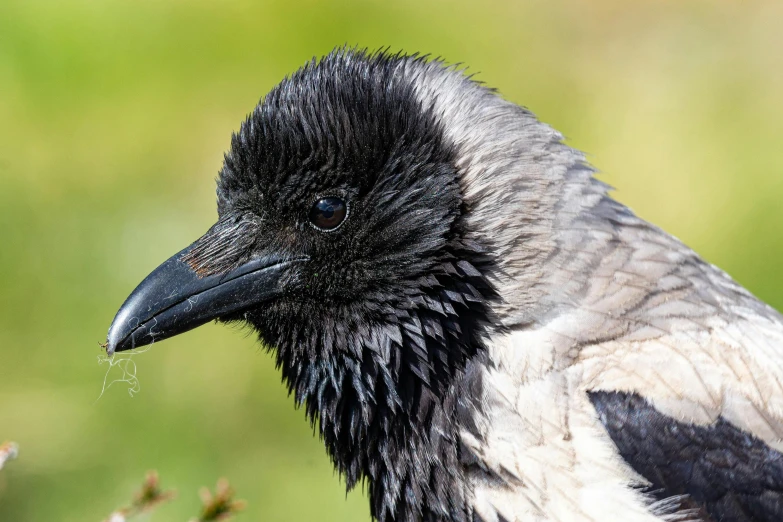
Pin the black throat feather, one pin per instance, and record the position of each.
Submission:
(380, 345)
(391, 395)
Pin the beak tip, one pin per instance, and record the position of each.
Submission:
(114, 339)
(107, 347)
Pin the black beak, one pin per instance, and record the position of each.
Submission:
(174, 298)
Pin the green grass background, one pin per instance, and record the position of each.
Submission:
(114, 116)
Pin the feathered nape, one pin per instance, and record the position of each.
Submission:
(385, 398)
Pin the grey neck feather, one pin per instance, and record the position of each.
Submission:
(527, 192)
(558, 236)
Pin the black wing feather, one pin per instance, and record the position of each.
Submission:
(728, 474)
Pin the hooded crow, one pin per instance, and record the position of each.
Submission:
(478, 330)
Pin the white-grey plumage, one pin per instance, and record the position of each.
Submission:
(609, 342)
(608, 302)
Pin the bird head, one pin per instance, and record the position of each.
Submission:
(340, 228)
(379, 217)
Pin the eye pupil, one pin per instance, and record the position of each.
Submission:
(328, 213)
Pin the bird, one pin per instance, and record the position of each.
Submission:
(474, 327)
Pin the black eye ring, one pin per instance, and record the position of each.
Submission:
(328, 213)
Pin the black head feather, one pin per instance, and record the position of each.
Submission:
(374, 334)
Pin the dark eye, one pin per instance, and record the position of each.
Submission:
(328, 213)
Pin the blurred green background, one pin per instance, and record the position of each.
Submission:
(113, 120)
